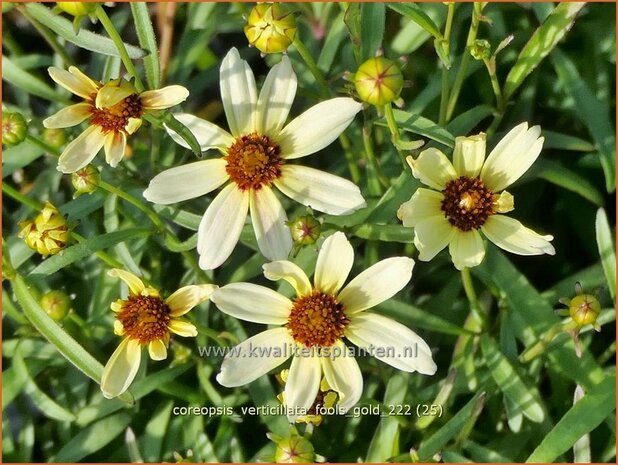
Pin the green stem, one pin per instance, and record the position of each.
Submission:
(394, 129)
(310, 62)
(466, 279)
(49, 37)
(122, 50)
(346, 144)
(21, 198)
(445, 90)
(368, 143)
(538, 348)
(495, 85)
(43, 145)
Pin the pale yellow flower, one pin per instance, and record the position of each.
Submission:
(48, 233)
(145, 319)
(114, 111)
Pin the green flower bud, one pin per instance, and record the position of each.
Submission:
(14, 129)
(55, 138)
(584, 309)
(78, 9)
(480, 50)
(305, 230)
(86, 180)
(269, 28)
(378, 81)
(56, 304)
(295, 449)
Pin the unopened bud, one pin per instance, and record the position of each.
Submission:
(295, 449)
(584, 309)
(48, 233)
(85, 180)
(378, 81)
(55, 138)
(56, 304)
(480, 49)
(14, 129)
(269, 28)
(305, 230)
(78, 9)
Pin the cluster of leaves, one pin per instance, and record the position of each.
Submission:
(494, 406)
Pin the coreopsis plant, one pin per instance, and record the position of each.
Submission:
(467, 197)
(257, 156)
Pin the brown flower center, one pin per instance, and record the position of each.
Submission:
(317, 320)
(253, 161)
(467, 203)
(116, 118)
(144, 318)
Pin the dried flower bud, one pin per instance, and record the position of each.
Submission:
(86, 180)
(14, 128)
(378, 81)
(305, 230)
(480, 50)
(55, 138)
(269, 28)
(48, 234)
(56, 303)
(78, 9)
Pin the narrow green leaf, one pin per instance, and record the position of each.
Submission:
(422, 126)
(384, 232)
(558, 174)
(605, 244)
(543, 41)
(417, 318)
(559, 141)
(467, 121)
(372, 18)
(167, 120)
(25, 81)
(385, 211)
(417, 15)
(334, 38)
(14, 158)
(152, 440)
(148, 41)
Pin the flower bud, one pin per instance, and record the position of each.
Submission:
(48, 234)
(378, 81)
(56, 304)
(55, 138)
(295, 449)
(86, 180)
(269, 28)
(480, 49)
(305, 230)
(14, 128)
(78, 9)
(584, 309)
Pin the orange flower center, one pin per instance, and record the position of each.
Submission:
(253, 161)
(116, 117)
(467, 203)
(144, 318)
(317, 320)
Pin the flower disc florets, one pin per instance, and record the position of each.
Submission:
(467, 203)
(253, 161)
(144, 318)
(317, 320)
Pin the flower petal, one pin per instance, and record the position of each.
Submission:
(69, 116)
(113, 92)
(74, 81)
(121, 368)
(469, 155)
(238, 93)
(136, 286)
(182, 328)
(115, 144)
(276, 97)
(292, 273)
(221, 225)
(185, 298)
(344, 376)
(334, 263)
(512, 236)
(255, 357)
(269, 223)
(512, 157)
(432, 168)
(208, 135)
(157, 350)
(376, 284)
(81, 150)
(317, 127)
(166, 97)
(424, 204)
(303, 383)
(466, 249)
(118, 328)
(186, 182)
(431, 235)
(251, 302)
(391, 342)
(320, 190)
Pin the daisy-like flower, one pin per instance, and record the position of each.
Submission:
(113, 110)
(256, 157)
(467, 197)
(314, 324)
(145, 319)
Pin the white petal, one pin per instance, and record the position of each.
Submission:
(424, 204)
(221, 226)
(182, 328)
(303, 383)
(391, 342)
(334, 263)
(166, 97)
(320, 190)
(269, 223)
(512, 236)
(115, 143)
(317, 127)
(185, 298)
(512, 157)
(431, 235)
(432, 168)
(376, 284)
(467, 249)
(344, 376)
(157, 350)
(251, 302)
(208, 135)
(69, 116)
(276, 97)
(81, 150)
(469, 155)
(136, 285)
(292, 273)
(187, 181)
(74, 81)
(255, 357)
(121, 369)
(238, 93)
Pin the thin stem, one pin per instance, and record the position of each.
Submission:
(122, 50)
(21, 198)
(49, 37)
(310, 62)
(368, 143)
(394, 129)
(350, 158)
(495, 85)
(445, 90)
(538, 348)
(466, 279)
(45, 146)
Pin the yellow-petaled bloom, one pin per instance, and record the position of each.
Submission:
(48, 233)
(114, 111)
(468, 197)
(146, 319)
(269, 28)
(325, 400)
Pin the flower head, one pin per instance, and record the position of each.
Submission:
(468, 197)
(256, 157)
(314, 324)
(146, 319)
(269, 28)
(114, 111)
(48, 233)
